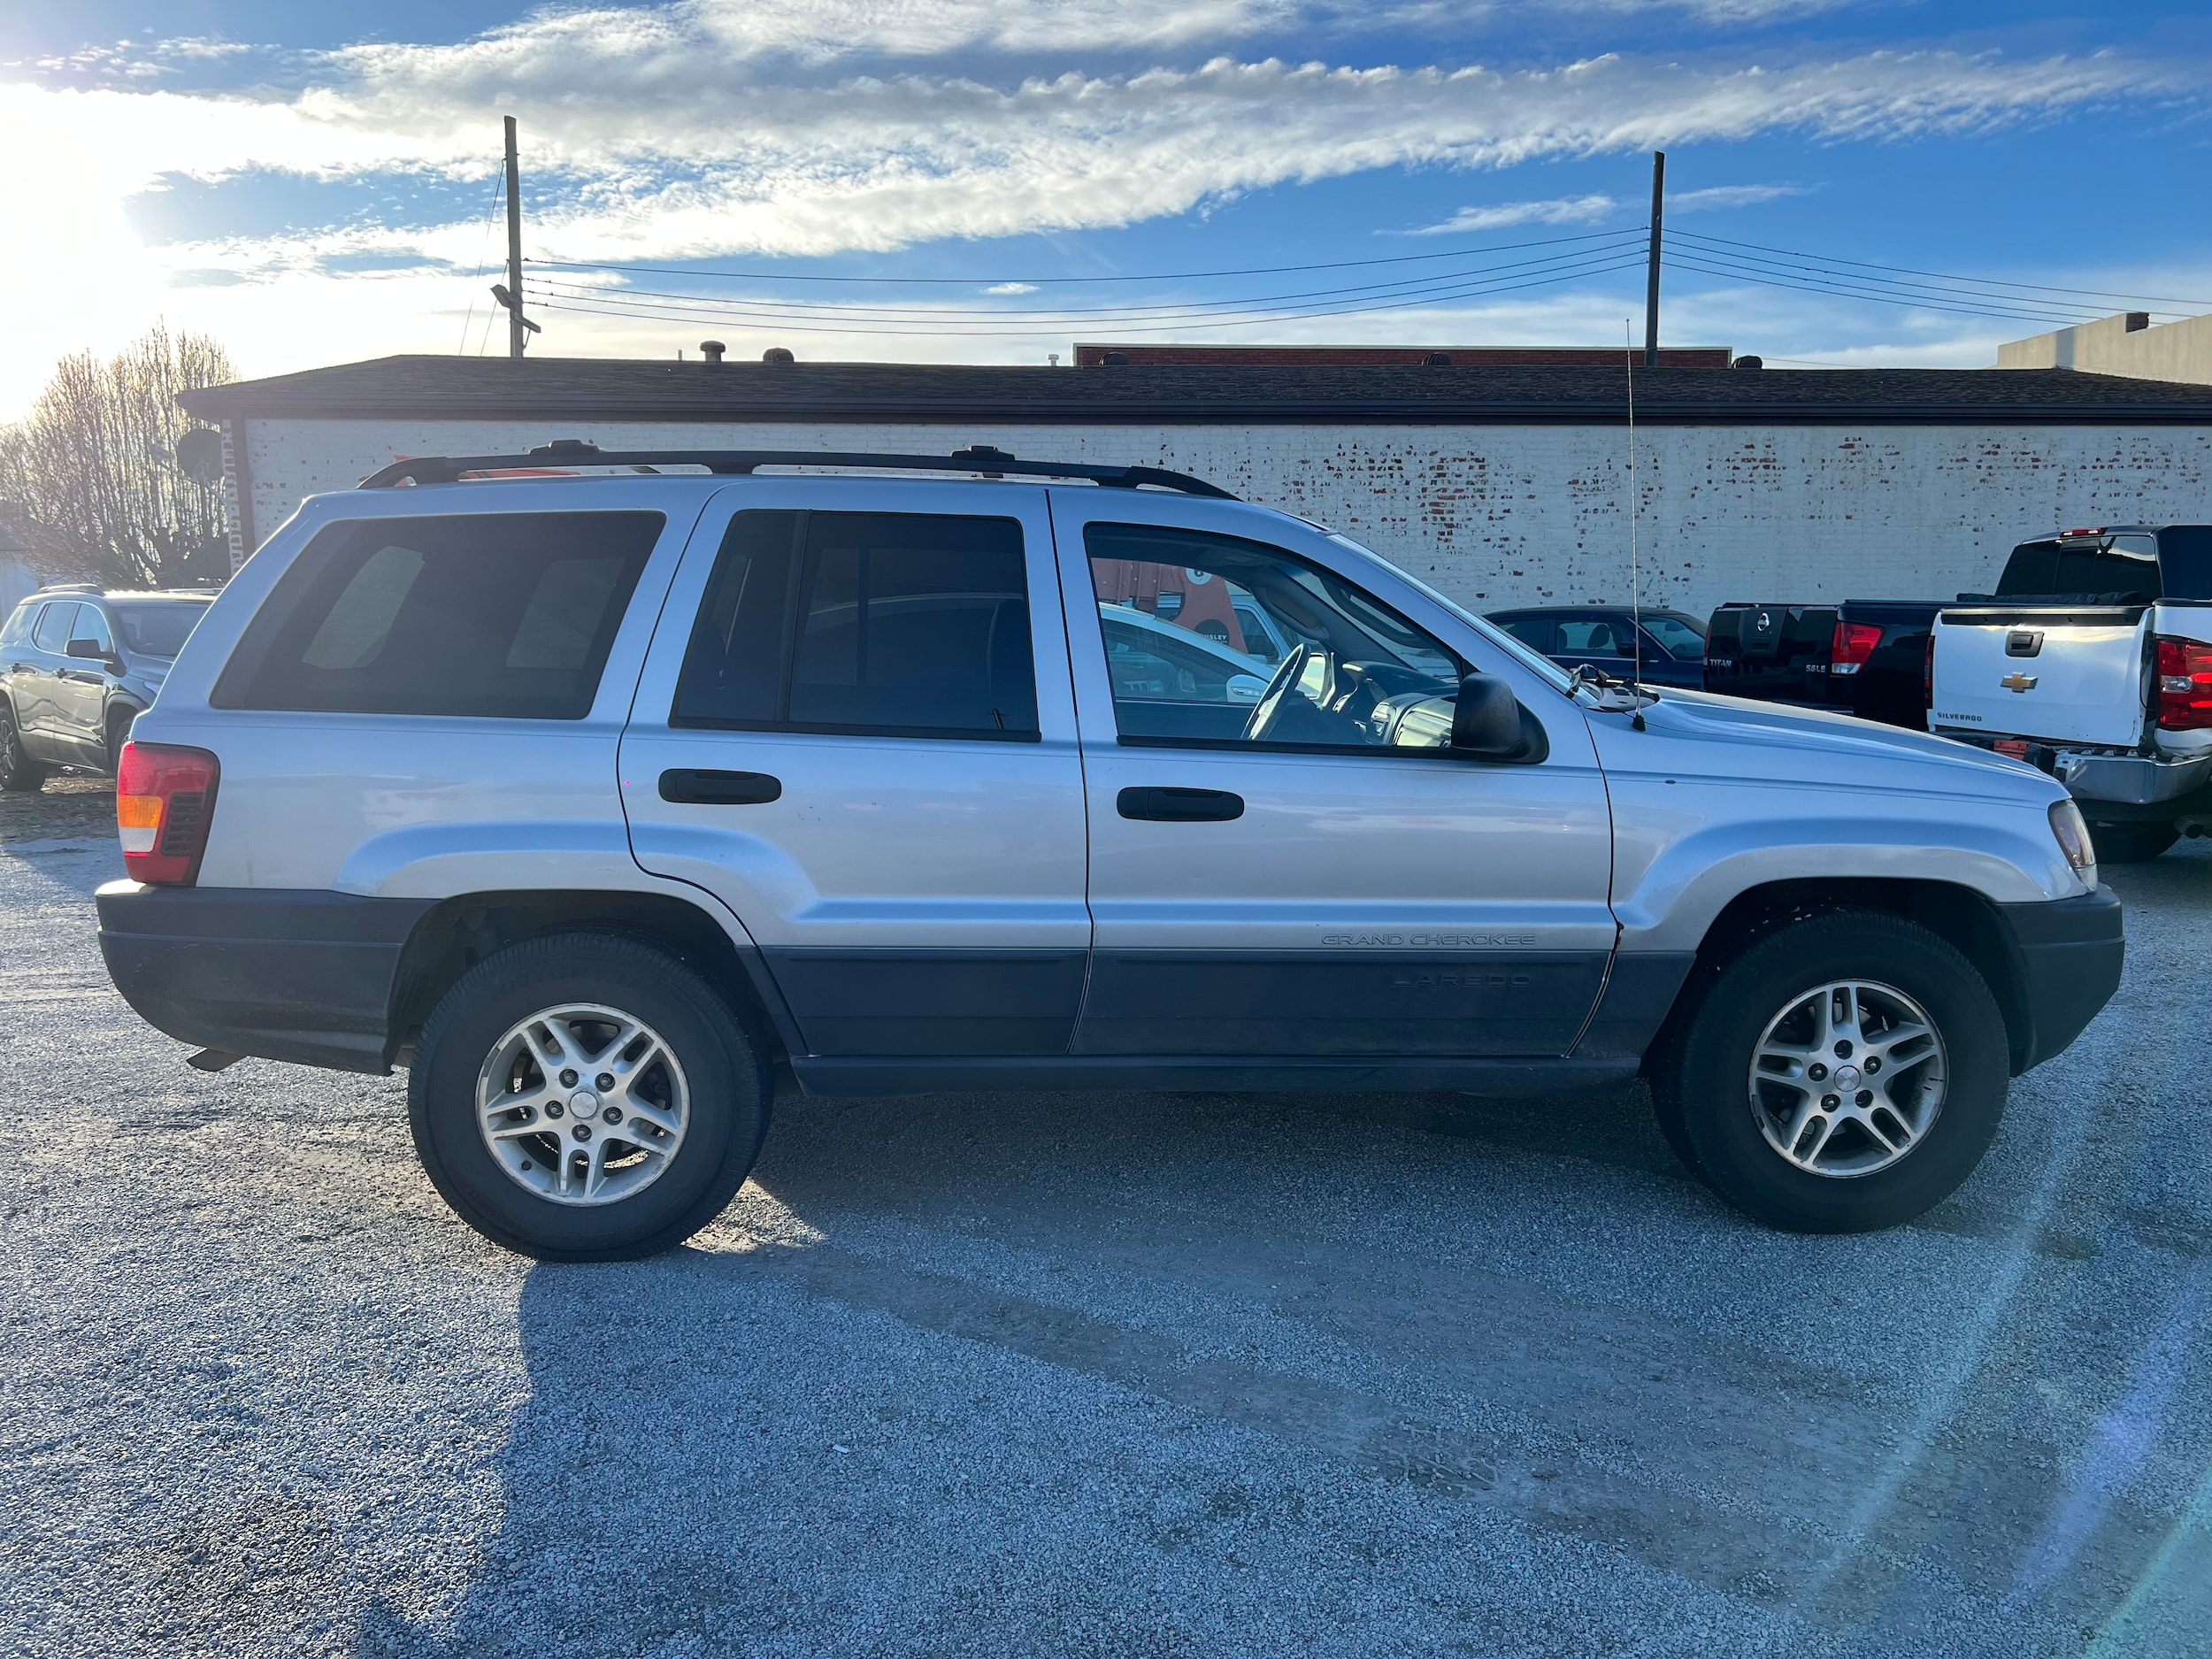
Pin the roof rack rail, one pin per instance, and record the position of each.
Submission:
(71, 588)
(447, 469)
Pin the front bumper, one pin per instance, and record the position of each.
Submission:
(288, 975)
(2068, 956)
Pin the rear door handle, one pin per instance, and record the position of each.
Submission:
(719, 788)
(1180, 806)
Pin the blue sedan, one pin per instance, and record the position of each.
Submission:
(1673, 645)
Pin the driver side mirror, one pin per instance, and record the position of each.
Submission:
(91, 651)
(1488, 723)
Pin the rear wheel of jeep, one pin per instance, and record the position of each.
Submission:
(584, 1098)
(2130, 840)
(1843, 1074)
(19, 773)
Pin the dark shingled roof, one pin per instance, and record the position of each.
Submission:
(610, 388)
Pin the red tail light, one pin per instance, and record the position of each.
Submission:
(1854, 643)
(164, 795)
(2185, 684)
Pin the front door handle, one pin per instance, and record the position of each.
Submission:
(1180, 806)
(719, 788)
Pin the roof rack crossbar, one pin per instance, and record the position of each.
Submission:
(447, 469)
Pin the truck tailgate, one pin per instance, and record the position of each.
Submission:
(2075, 675)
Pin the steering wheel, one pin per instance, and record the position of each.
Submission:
(1267, 714)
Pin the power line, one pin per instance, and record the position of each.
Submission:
(656, 314)
(1877, 296)
(2040, 288)
(835, 311)
(1039, 281)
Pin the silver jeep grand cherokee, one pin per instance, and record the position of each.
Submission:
(593, 799)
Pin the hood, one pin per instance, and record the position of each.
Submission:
(1701, 735)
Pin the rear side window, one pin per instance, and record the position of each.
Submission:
(1539, 634)
(902, 625)
(504, 615)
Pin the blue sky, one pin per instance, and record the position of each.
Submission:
(315, 184)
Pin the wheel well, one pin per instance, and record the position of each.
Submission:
(462, 931)
(1959, 916)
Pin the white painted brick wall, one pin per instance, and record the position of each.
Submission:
(1502, 515)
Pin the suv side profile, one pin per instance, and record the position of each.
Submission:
(77, 665)
(593, 800)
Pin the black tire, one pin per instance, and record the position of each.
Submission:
(120, 724)
(1702, 1087)
(2130, 840)
(19, 774)
(725, 1070)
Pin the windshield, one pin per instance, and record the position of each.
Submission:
(156, 628)
(1536, 662)
(1682, 637)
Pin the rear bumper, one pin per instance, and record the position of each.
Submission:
(2132, 779)
(2068, 953)
(288, 975)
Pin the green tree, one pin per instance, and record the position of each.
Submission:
(90, 478)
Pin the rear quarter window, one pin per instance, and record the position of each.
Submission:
(502, 615)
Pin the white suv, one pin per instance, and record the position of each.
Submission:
(593, 799)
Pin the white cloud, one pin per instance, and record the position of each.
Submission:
(1566, 210)
(1011, 287)
(713, 127)
(1721, 197)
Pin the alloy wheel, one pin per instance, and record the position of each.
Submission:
(1848, 1079)
(583, 1105)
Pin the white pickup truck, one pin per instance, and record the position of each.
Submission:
(2094, 662)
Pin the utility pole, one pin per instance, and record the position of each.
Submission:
(1651, 284)
(517, 333)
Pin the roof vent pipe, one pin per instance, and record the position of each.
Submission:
(2136, 320)
(778, 354)
(1748, 362)
(1437, 360)
(1116, 359)
(712, 350)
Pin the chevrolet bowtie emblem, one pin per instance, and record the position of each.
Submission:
(2018, 682)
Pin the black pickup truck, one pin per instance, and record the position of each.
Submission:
(1864, 657)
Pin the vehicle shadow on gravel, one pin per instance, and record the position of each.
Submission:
(1218, 1374)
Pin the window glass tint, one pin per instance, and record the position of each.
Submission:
(491, 614)
(2184, 558)
(90, 624)
(904, 623)
(2130, 565)
(1539, 633)
(1215, 639)
(52, 632)
(2032, 569)
(1594, 635)
(1681, 638)
(156, 629)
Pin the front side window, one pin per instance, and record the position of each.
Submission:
(1678, 636)
(90, 624)
(502, 615)
(902, 625)
(1597, 635)
(1215, 639)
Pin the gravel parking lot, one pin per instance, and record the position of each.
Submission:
(1125, 1375)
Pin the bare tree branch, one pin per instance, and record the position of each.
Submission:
(91, 480)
